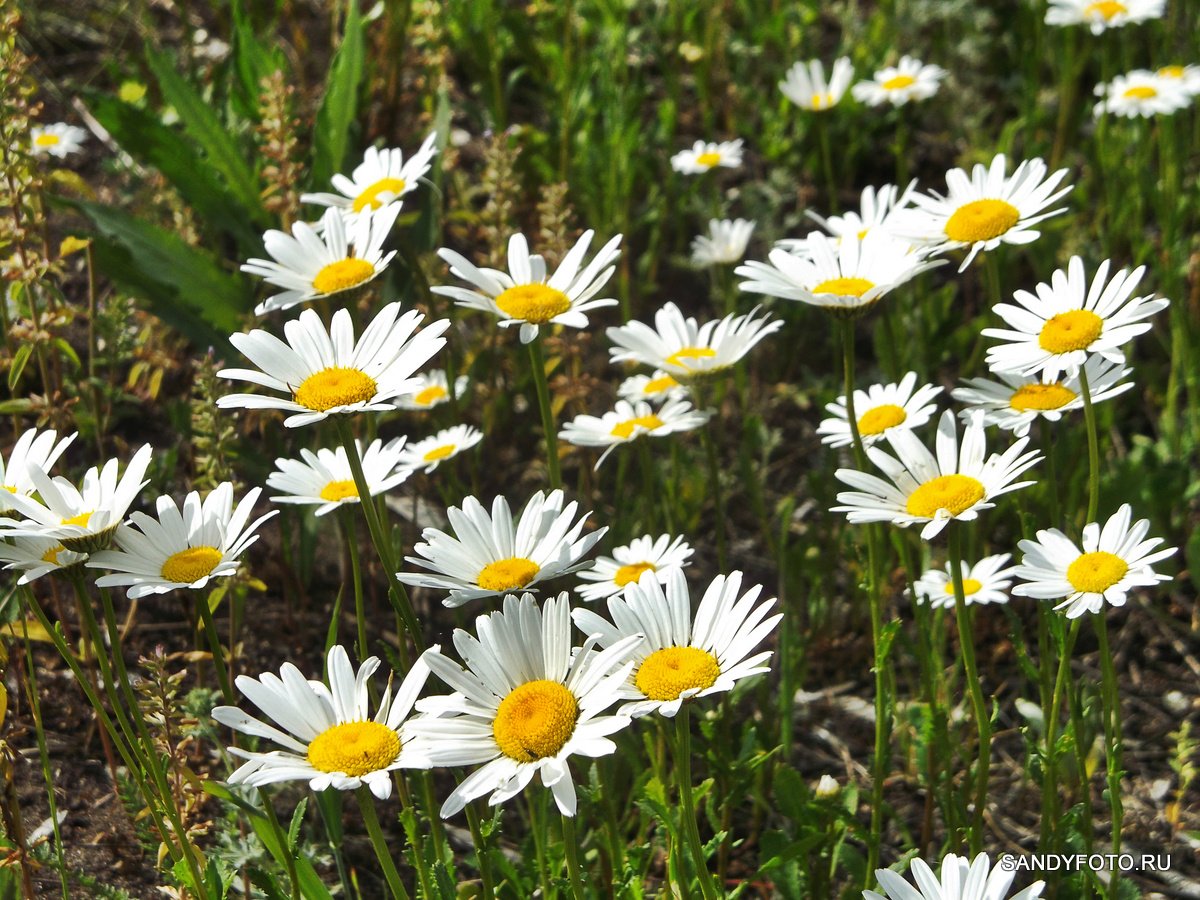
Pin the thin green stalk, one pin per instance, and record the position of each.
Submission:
(1089, 416)
(1050, 775)
(281, 838)
(827, 162)
(572, 850)
(366, 803)
(350, 530)
(687, 803)
(537, 825)
(35, 707)
(1112, 741)
(714, 477)
(537, 362)
(214, 646)
(481, 853)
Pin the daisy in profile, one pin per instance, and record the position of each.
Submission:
(325, 480)
(985, 209)
(1100, 15)
(309, 266)
(845, 276)
(1114, 560)
(724, 244)
(909, 79)
(805, 84)
(181, 548)
(34, 557)
(629, 422)
(1187, 77)
(877, 209)
(380, 180)
(957, 483)
(325, 373)
(960, 880)
(33, 449)
(704, 157)
(987, 581)
(1054, 329)
(657, 388)
(524, 704)
(684, 657)
(612, 574)
(59, 139)
(84, 518)
(492, 554)
(431, 389)
(1141, 93)
(881, 409)
(327, 733)
(434, 450)
(684, 349)
(525, 296)
(1016, 401)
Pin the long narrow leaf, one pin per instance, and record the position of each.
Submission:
(340, 103)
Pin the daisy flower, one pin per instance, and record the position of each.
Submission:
(493, 554)
(909, 79)
(1141, 93)
(181, 548)
(960, 880)
(725, 242)
(82, 519)
(656, 388)
(881, 408)
(525, 296)
(1188, 77)
(1056, 328)
(985, 209)
(34, 557)
(1102, 14)
(380, 180)
(326, 373)
(328, 735)
(805, 84)
(344, 256)
(933, 490)
(1114, 560)
(630, 421)
(683, 657)
(1016, 401)
(876, 210)
(33, 449)
(525, 703)
(987, 581)
(434, 450)
(58, 139)
(660, 555)
(324, 479)
(704, 157)
(684, 349)
(431, 389)
(846, 276)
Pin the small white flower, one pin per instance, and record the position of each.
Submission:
(324, 479)
(1188, 77)
(434, 450)
(629, 422)
(58, 139)
(987, 581)
(431, 389)
(725, 242)
(880, 409)
(960, 880)
(656, 388)
(380, 180)
(1114, 560)
(657, 555)
(877, 210)
(704, 157)
(1141, 93)
(34, 557)
(1103, 14)
(33, 449)
(805, 84)
(909, 79)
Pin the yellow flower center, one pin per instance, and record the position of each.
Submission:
(47, 140)
(370, 198)
(430, 395)
(970, 586)
(535, 720)
(624, 430)
(1106, 9)
(709, 159)
(821, 101)
(631, 573)
(51, 555)
(956, 493)
(342, 275)
(667, 673)
(880, 419)
(844, 287)
(1096, 572)
(81, 520)
(438, 453)
(681, 356)
(355, 748)
(190, 565)
(1140, 92)
(1171, 72)
(337, 491)
(658, 385)
(535, 303)
(335, 386)
(11, 488)
(1074, 330)
(898, 82)
(981, 220)
(506, 574)
(1041, 396)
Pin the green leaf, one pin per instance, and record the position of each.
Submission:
(250, 60)
(297, 821)
(20, 359)
(340, 103)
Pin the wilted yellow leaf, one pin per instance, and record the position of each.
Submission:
(72, 244)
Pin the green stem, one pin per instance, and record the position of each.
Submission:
(572, 850)
(537, 362)
(1089, 416)
(481, 853)
(350, 530)
(218, 652)
(366, 803)
(282, 839)
(1112, 741)
(1050, 775)
(714, 478)
(687, 804)
(827, 163)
